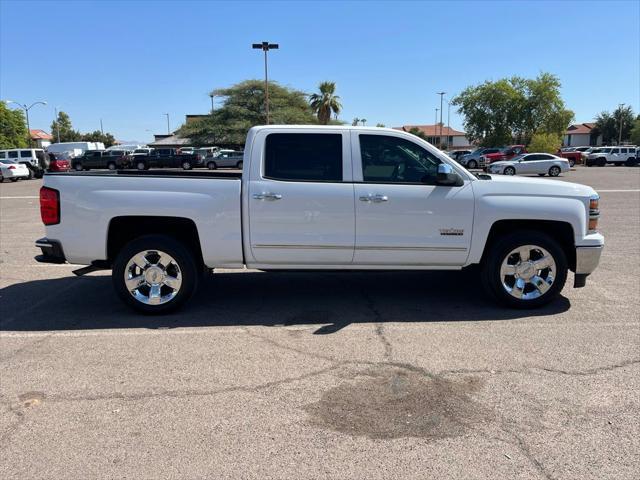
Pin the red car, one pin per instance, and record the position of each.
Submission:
(506, 153)
(58, 163)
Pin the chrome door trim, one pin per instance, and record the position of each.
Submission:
(344, 247)
(426, 249)
(308, 247)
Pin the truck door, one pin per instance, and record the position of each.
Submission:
(300, 199)
(402, 217)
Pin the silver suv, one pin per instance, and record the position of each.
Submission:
(476, 158)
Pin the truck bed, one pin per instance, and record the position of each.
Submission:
(162, 173)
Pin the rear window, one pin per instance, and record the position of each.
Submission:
(7, 162)
(304, 157)
(25, 154)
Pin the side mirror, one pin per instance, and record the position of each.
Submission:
(447, 176)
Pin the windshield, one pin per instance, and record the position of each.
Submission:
(8, 162)
(516, 158)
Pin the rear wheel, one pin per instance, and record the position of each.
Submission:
(472, 164)
(526, 269)
(572, 162)
(554, 171)
(602, 162)
(509, 171)
(155, 274)
(239, 165)
(141, 166)
(186, 165)
(78, 167)
(14, 179)
(111, 166)
(631, 162)
(212, 165)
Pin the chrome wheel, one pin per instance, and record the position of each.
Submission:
(186, 166)
(554, 171)
(509, 171)
(153, 277)
(528, 272)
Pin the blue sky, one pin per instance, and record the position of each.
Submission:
(130, 62)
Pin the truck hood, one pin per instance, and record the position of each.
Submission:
(514, 185)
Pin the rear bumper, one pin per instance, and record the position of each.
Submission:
(51, 251)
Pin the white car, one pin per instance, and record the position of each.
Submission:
(13, 170)
(530, 163)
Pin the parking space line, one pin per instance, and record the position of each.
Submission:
(616, 191)
(26, 196)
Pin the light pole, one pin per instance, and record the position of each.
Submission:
(435, 125)
(212, 108)
(265, 47)
(26, 111)
(620, 132)
(441, 95)
(101, 128)
(448, 122)
(168, 129)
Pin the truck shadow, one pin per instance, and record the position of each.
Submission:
(330, 300)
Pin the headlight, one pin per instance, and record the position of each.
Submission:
(594, 213)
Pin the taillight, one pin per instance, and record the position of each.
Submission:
(49, 206)
(12, 167)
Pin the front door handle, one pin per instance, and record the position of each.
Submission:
(267, 196)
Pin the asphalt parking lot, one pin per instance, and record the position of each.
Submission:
(325, 375)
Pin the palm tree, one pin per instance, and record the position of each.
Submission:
(355, 122)
(325, 102)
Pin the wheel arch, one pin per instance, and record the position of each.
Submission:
(123, 229)
(560, 231)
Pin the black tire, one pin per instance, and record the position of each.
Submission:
(78, 166)
(183, 257)
(239, 165)
(554, 171)
(542, 174)
(472, 164)
(212, 165)
(572, 162)
(631, 162)
(492, 262)
(509, 171)
(31, 173)
(14, 179)
(111, 166)
(141, 165)
(602, 162)
(186, 165)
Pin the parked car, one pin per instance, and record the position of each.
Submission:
(12, 170)
(571, 155)
(167, 158)
(456, 154)
(33, 158)
(78, 147)
(225, 159)
(111, 159)
(293, 207)
(530, 163)
(616, 155)
(476, 158)
(506, 153)
(59, 162)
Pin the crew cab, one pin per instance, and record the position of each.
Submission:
(111, 159)
(321, 198)
(167, 158)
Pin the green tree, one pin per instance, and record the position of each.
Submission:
(325, 103)
(418, 133)
(513, 109)
(381, 125)
(97, 136)
(623, 117)
(13, 129)
(634, 135)
(243, 108)
(67, 133)
(545, 142)
(355, 122)
(606, 126)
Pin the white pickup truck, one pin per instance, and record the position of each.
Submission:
(321, 198)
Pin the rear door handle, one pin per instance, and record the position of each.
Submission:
(374, 198)
(267, 196)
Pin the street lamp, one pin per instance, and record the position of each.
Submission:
(26, 111)
(168, 129)
(212, 95)
(434, 126)
(441, 95)
(448, 122)
(265, 47)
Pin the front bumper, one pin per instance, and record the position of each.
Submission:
(587, 260)
(51, 251)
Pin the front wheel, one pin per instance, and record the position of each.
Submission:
(239, 165)
(78, 167)
(509, 171)
(14, 179)
(572, 163)
(554, 171)
(141, 166)
(155, 274)
(526, 269)
(212, 165)
(472, 164)
(602, 162)
(186, 165)
(111, 166)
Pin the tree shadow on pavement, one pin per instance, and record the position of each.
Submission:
(332, 299)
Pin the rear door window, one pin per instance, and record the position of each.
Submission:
(13, 154)
(303, 157)
(25, 154)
